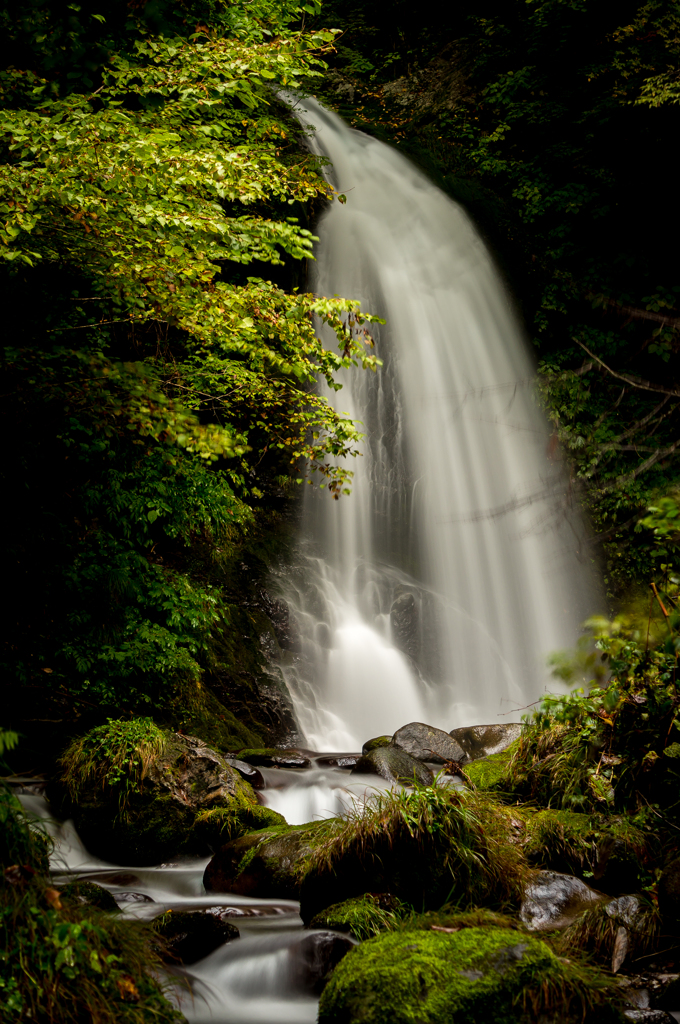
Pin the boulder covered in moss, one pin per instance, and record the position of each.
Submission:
(213, 828)
(475, 975)
(264, 864)
(190, 935)
(135, 791)
(394, 765)
(377, 741)
(427, 743)
(88, 894)
(364, 916)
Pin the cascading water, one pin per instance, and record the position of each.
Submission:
(436, 591)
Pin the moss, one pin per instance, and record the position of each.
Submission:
(212, 722)
(493, 773)
(216, 827)
(376, 743)
(364, 916)
(453, 917)
(88, 894)
(475, 975)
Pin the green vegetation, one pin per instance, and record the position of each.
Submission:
(64, 962)
(159, 384)
(364, 916)
(475, 974)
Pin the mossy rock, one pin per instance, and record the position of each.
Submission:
(220, 825)
(88, 894)
(152, 819)
(492, 773)
(375, 743)
(364, 916)
(476, 975)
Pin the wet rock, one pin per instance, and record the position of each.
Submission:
(484, 740)
(247, 772)
(88, 894)
(315, 958)
(649, 1016)
(426, 743)
(669, 894)
(132, 897)
(259, 865)
(552, 900)
(186, 778)
(338, 761)
(190, 935)
(476, 974)
(275, 757)
(404, 623)
(377, 741)
(283, 623)
(395, 765)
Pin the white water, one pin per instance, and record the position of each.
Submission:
(457, 500)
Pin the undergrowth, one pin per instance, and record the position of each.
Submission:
(116, 756)
(66, 963)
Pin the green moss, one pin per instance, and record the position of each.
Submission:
(475, 975)
(364, 916)
(88, 894)
(493, 772)
(455, 918)
(376, 743)
(214, 723)
(216, 827)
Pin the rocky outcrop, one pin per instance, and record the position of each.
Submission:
(485, 740)
(426, 743)
(552, 900)
(394, 765)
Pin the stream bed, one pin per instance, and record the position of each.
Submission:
(261, 977)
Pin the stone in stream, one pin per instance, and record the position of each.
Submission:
(184, 780)
(394, 765)
(247, 772)
(259, 865)
(337, 760)
(484, 740)
(426, 743)
(314, 959)
(553, 900)
(190, 935)
(649, 1016)
(275, 757)
(88, 894)
(132, 897)
(377, 741)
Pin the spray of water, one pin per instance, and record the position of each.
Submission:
(436, 591)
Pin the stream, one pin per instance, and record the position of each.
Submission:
(258, 978)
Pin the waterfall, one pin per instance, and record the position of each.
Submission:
(438, 589)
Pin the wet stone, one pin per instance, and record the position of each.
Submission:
(553, 900)
(426, 743)
(273, 757)
(247, 772)
(315, 958)
(394, 765)
(484, 740)
(377, 741)
(191, 935)
(88, 894)
(649, 1016)
(338, 760)
(132, 897)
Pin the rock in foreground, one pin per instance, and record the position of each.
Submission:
(394, 765)
(484, 740)
(426, 743)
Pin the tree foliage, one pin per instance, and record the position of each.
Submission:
(159, 386)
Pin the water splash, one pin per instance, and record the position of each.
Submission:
(458, 564)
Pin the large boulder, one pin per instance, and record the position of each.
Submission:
(426, 743)
(394, 765)
(153, 820)
(484, 740)
(262, 864)
(553, 900)
(476, 975)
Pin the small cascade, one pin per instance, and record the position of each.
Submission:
(438, 589)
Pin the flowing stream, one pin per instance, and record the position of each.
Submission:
(438, 589)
